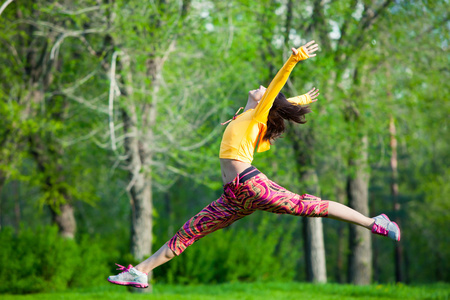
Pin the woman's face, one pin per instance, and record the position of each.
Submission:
(257, 94)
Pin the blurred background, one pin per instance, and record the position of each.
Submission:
(110, 117)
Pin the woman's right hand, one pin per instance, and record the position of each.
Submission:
(309, 47)
(313, 94)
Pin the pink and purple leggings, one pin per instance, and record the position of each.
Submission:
(249, 191)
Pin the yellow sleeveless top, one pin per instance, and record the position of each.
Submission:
(247, 130)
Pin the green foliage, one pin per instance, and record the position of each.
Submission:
(41, 261)
(429, 221)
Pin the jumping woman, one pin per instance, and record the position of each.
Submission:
(246, 189)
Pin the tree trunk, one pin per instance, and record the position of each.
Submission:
(360, 257)
(16, 196)
(2, 183)
(303, 143)
(340, 274)
(140, 190)
(316, 270)
(376, 264)
(141, 205)
(399, 277)
(65, 220)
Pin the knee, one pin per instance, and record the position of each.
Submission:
(169, 253)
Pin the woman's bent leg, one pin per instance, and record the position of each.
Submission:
(217, 215)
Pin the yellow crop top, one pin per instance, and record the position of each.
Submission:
(248, 129)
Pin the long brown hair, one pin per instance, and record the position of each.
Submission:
(283, 110)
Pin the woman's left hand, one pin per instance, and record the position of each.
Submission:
(313, 94)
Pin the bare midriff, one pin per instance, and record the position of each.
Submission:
(231, 168)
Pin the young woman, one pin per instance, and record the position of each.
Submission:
(246, 189)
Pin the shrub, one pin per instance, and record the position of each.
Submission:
(41, 261)
(92, 267)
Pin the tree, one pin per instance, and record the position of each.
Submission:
(37, 95)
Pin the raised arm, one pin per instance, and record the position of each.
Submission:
(264, 106)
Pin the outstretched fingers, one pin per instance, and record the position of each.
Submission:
(310, 48)
(309, 43)
(313, 94)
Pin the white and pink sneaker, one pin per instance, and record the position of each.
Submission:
(130, 276)
(384, 226)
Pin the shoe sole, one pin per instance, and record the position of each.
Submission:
(399, 232)
(133, 284)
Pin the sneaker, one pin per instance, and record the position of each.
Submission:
(130, 276)
(384, 226)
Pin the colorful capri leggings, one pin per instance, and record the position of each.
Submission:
(249, 191)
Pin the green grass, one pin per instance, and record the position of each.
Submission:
(253, 291)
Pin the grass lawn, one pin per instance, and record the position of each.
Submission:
(253, 291)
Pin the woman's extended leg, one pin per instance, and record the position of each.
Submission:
(344, 213)
(274, 198)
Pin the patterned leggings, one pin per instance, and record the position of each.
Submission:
(249, 191)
